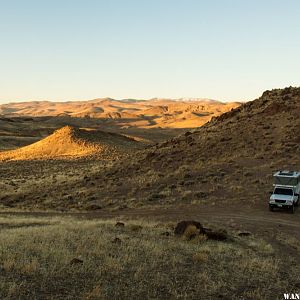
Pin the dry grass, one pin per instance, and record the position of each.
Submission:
(190, 232)
(134, 262)
(289, 241)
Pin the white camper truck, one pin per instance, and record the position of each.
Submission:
(286, 190)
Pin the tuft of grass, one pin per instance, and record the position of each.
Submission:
(200, 257)
(94, 294)
(190, 232)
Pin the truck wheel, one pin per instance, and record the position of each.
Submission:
(271, 208)
(292, 209)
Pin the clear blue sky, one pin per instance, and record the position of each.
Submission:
(83, 49)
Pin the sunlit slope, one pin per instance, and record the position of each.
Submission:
(73, 142)
(154, 113)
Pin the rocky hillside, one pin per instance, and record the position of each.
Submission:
(228, 160)
(73, 143)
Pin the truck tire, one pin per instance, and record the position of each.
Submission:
(292, 209)
(271, 208)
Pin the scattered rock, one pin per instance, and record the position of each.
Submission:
(76, 261)
(93, 207)
(120, 225)
(117, 241)
(218, 235)
(156, 196)
(192, 229)
(244, 233)
(166, 233)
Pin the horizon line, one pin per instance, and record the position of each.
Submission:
(183, 99)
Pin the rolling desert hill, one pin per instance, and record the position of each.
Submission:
(154, 120)
(165, 113)
(71, 142)
(227, 162)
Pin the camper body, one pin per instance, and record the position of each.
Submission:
(286, 190)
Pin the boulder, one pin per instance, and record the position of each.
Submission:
(182, 226)
(120, 225)
(218, 235)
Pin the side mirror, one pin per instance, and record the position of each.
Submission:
(296, 194)
(271, 192)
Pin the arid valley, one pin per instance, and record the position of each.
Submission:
(149, 150)
(91, 193)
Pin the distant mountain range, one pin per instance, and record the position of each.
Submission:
(156, 112)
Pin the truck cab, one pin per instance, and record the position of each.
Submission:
(286, 190)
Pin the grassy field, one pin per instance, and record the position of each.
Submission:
(68, 258)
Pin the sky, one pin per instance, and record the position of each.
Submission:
(229, 50)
